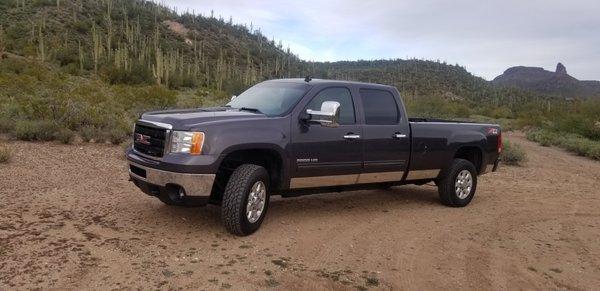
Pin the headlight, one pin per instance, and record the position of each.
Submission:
(187, 142)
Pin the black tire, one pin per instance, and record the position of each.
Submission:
(235, 199)
(447, 184)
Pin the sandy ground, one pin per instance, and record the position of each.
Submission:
(70, 219)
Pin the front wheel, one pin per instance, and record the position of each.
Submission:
(458, 186)
(245, 200)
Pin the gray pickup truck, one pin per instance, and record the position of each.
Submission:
(299, 136)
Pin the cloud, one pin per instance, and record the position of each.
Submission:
(485, 36)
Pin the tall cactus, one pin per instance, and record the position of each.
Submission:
(81, 57)
(2, 42)
(96, 47)
(41, 46)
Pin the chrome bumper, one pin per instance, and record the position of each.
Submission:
(193, 184)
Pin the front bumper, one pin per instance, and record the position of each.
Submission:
(152, 181)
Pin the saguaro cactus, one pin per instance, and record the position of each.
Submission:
(2, 42)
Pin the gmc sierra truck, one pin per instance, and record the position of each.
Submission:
(293, 137)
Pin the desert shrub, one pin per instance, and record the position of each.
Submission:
(117, 136)
(38, 130)
(125, 145)
(137, 75)
(66, 56)
(6, 124)
(543, 137)
(501, 112)
(505, 124)
(572, 142)
(41, 3)
(81, 26)
(437, 107)
(12, 66)
(5, 153)
(513, 154)
(65, 136)
(580, 145)
(89, 133)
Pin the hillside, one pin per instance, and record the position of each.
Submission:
(558, 83)
(138, 42)
(87, 68)
(131, 42)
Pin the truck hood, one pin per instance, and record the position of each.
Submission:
(187, 119)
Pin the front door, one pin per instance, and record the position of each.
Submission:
(327, 156)
(386, 137)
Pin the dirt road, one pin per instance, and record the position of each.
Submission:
(70, 219)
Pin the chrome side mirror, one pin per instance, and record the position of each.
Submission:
(233, 97)
(328, 116)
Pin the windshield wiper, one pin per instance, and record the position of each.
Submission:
(245, 109)
(250, 109)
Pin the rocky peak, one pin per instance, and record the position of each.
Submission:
(560, 69)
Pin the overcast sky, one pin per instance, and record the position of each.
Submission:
(486, 37)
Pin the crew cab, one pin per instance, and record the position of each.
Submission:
(293, 137)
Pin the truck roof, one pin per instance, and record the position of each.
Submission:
(332, 82)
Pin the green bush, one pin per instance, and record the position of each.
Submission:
(65, 136)
(513, 154)
(6, 125)
(137, 75)
(117, 136)
(89, 133)
(5, 154)
(39, 130)
(569, 141)
(543, 137)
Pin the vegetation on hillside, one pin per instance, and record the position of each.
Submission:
(138, 42)
(88, 68)
(38, 102)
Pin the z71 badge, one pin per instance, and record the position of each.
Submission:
(307, 161)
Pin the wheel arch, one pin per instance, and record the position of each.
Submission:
(471, 153)
(271, 157)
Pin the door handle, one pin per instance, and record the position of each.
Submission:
(351, 136)
(398, 135)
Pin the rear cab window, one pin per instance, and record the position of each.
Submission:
(380, 107)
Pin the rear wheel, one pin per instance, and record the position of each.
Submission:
(245, 200)
(458, 186)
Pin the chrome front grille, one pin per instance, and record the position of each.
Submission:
(150, 140)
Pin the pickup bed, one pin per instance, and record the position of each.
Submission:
(293, 137)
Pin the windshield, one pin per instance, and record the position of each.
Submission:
(270, 98)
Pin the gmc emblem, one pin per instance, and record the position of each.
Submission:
(143, 139)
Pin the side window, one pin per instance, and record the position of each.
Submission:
(380, 107)
(341, 95)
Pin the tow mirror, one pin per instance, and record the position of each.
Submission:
(328, 116)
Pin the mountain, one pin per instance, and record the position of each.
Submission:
(558, 83)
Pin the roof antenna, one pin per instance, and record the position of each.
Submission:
(308, 79)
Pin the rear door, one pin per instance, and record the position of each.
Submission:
(327, 156)
(386, 135)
